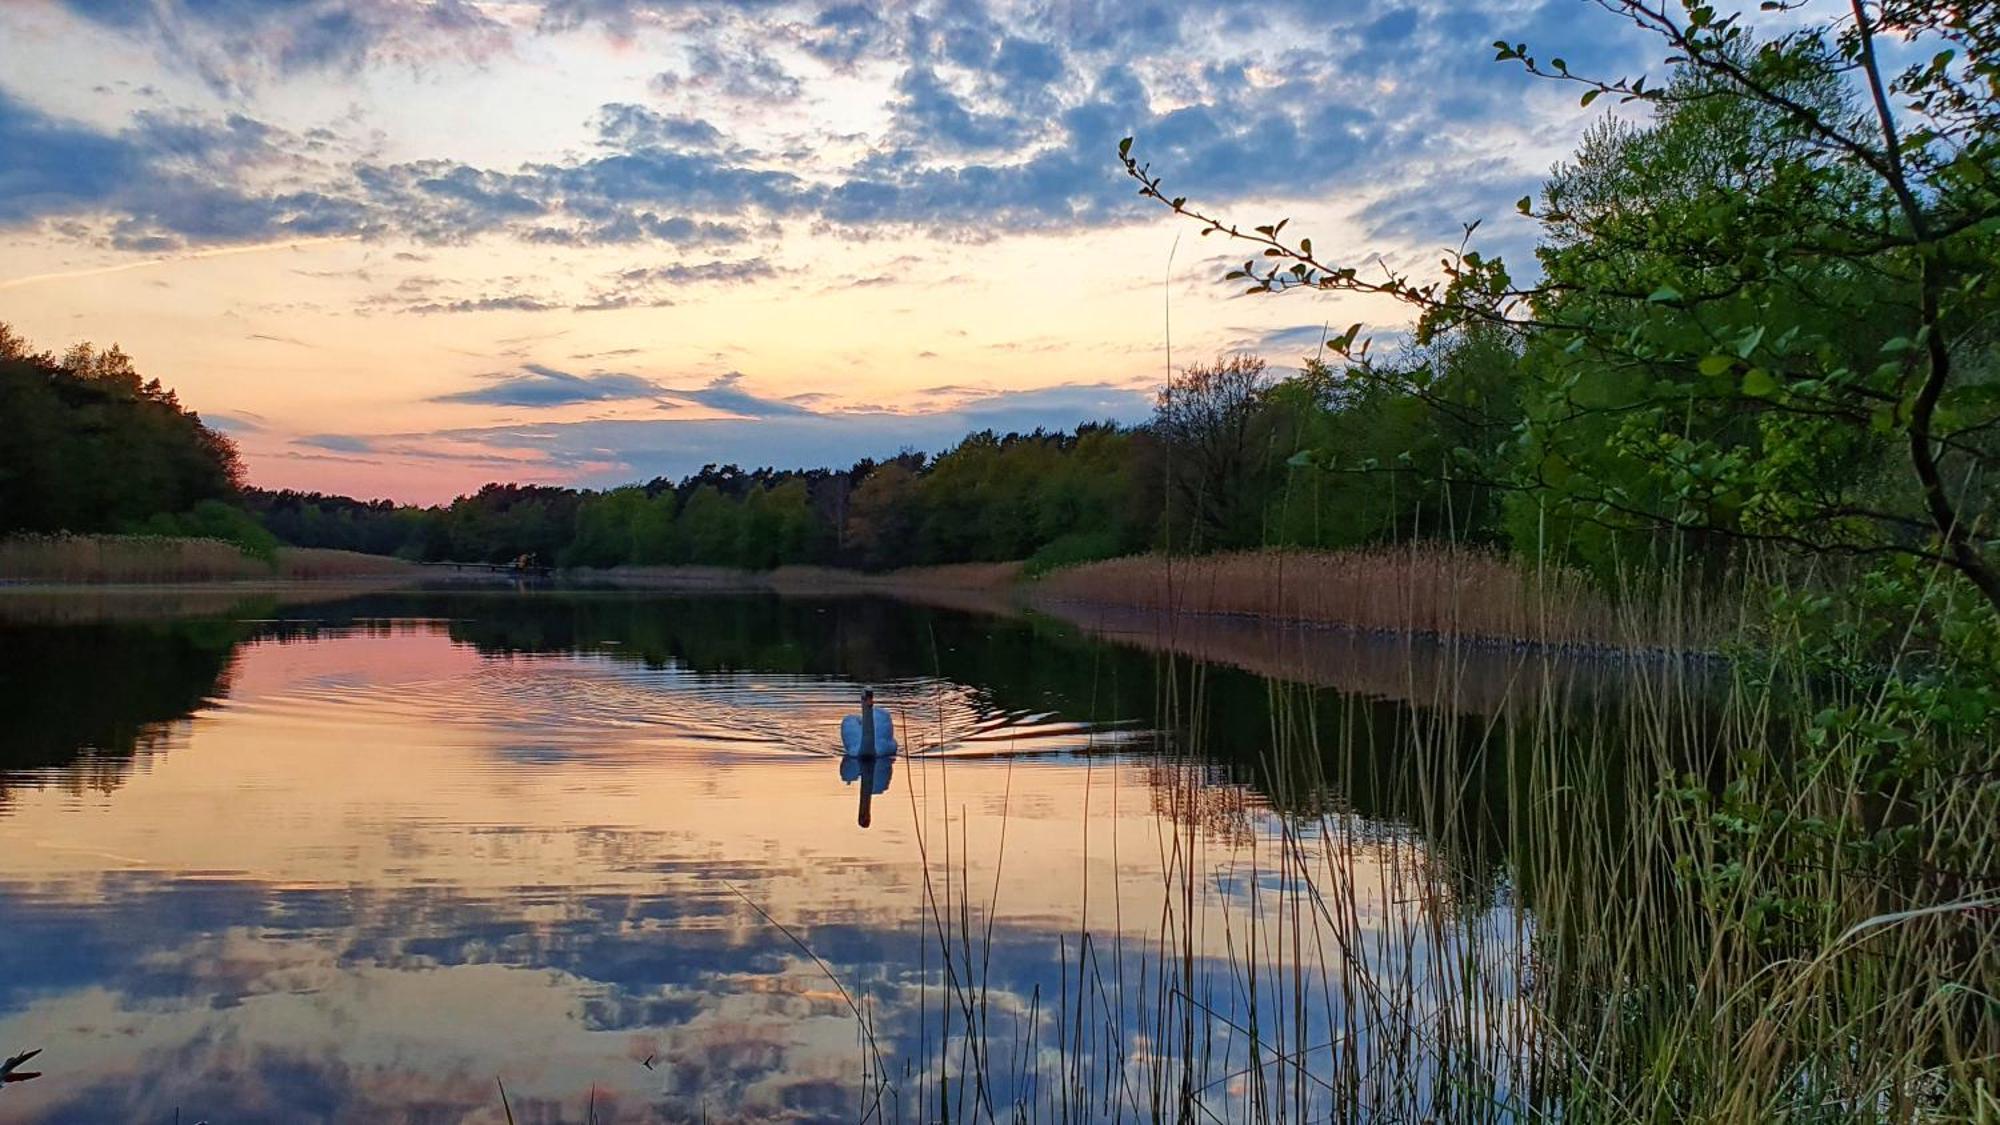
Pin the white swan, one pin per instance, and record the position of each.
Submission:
(869, 734)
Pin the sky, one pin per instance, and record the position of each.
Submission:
(404, 247)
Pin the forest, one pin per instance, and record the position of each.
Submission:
(1218, 467)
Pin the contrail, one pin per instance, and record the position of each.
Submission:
(147, 263)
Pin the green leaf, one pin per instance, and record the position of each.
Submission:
(1526, 205)
(1715, 364)
(1664, 294)
(1125, 147)
(1759, 383)
(1588, 97)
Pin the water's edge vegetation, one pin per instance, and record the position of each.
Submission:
(95, 560)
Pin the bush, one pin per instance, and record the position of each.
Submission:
(213, 519)
(1072, 549)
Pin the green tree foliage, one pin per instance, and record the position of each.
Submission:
(625, 526)
(93, 446)
(1213, 426)
(1412, 451)
(1234, 457)
(213, 519)
(1760, 347)
(1764, 318)
(314, 519)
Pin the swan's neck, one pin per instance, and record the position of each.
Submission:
(867, 727)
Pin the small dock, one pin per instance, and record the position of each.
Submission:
(515, 569)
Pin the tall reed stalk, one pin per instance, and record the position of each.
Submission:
(1589, 908)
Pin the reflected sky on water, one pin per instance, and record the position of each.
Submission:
(355, 861)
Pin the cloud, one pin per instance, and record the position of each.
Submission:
(336, 443)
(235, 44)
(700, 272)
(480, 304)
(738, 70)
(1300, 338)
(988, 122)
(53, 166)
(240, 422)
(779, 432)
(644, 287)
(539, 387)
(726, 392)
(166, 180)
(935, 118)
(624, 126)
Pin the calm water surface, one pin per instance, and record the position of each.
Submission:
(355, 861)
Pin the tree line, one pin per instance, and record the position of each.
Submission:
(1762, 320)
(1225, 462)
(93, 446)
(102, 448)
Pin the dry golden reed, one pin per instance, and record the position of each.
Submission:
(95, 559)
(91, 560)
(325, 562)
(1435, 591)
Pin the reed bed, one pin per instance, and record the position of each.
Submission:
(993, 576)
(677, 579)
(98, 559)
(971, 587)
(1422, 590)
(317, 563)
(1650, 920)
(1470, 679)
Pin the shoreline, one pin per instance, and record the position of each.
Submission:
(1397, 596)
(1467, 600)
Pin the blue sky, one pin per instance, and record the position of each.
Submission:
(403, 246)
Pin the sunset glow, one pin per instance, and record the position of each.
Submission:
(402, 247)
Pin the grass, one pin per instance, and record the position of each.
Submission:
(149, 559)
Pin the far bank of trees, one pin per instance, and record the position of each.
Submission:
(1230, 459)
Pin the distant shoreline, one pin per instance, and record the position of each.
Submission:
(1465, 596)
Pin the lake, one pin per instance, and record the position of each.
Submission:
(374, 858)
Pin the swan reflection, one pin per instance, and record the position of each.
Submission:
(872, 773)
